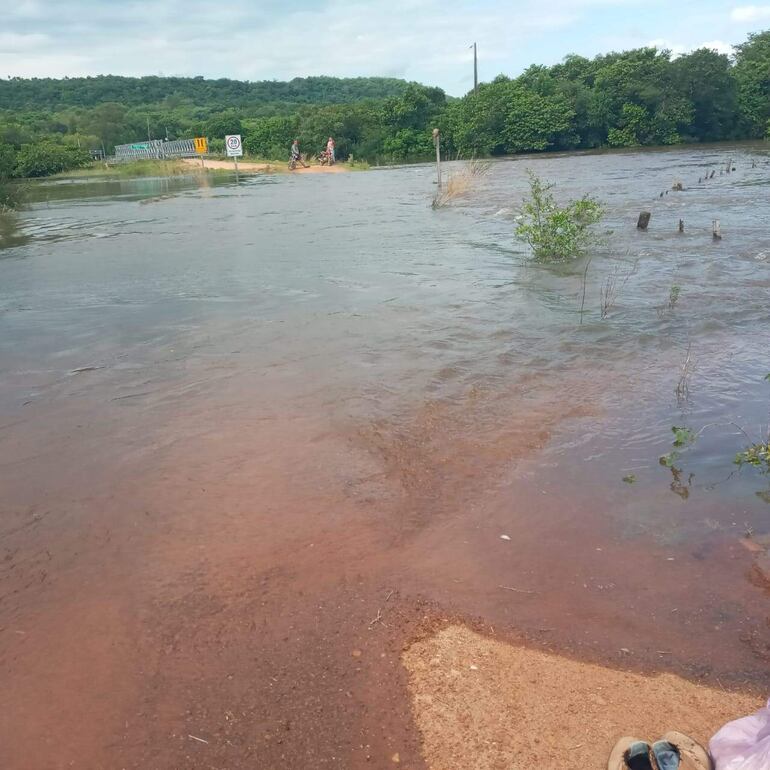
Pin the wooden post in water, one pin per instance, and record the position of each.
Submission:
(643, 221)
(437, 142)
(716, 231)
(681, 225)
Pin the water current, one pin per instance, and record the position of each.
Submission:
(193, 365)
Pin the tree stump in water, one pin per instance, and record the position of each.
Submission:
(716, 231)
(643, 221)
(681, 225)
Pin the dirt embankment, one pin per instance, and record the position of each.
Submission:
(266, 167)
(482, 703)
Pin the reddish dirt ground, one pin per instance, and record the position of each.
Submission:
(210, 583)
(489, 705)
(251, 166)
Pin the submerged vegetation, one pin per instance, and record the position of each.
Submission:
(682, 436)
(757, 455)
(610, 289)
(640, 97)
(556, 233)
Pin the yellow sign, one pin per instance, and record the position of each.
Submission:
(201, 145)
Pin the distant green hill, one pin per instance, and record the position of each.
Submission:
(52, 93)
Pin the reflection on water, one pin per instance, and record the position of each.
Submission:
(351, 295)
(10, 231)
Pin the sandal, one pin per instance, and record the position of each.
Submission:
(666, 755)
(692, 755)
(630, 754)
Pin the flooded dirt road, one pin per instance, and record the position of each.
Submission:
(256, 438)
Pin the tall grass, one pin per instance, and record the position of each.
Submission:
(134, 168)
(461, 183)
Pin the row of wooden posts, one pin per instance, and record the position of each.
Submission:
(644, 220)
(716, 232)
(729, 168)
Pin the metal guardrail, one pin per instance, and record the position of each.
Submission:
(155, 149)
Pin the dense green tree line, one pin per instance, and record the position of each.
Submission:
(37, 93)
(633, 98)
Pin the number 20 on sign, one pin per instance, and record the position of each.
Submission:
(201, 145)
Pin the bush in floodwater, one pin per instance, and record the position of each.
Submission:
(556, 233)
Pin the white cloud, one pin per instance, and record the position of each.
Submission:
(720, 46)
(26, 9)
(750, 13)
(679, 49)
(12, 42)
(42, 66)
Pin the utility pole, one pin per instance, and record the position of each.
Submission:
(475, 71)
(149, 139)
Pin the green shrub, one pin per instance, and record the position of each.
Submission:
(10, 194)
(217, 146)
(47, 158)
(7, 161)
(556, 233)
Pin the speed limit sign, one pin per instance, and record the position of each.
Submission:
(233, 145)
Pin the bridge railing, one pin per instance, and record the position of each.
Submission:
(155, 149)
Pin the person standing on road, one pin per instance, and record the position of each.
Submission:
(296, 156)
(330, 151)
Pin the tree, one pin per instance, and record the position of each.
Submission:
(109, 122)
(219, 126)
(535, 123)
(752, 74)
(705, 78)
(476, 124)
(271, 137)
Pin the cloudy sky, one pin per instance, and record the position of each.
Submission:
(424, 40)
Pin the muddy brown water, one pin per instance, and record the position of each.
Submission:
(254, 438)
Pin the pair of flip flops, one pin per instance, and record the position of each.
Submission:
(675, 751)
